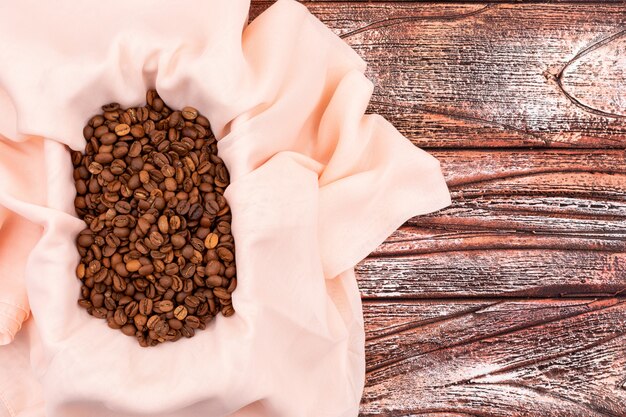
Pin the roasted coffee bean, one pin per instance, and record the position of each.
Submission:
(163, 306)
(180, 312)
(225, 254)
(120, 317)
(192, 301)
(221, 293)
(145, 306)
(227, 310)
(189, 113)
(157, 255)
(131, 309)
(188, 270)
(152, 321)
(156, 238)
(123, 207)
(122, 129)
(175, 324)
(211, 240)
(192, 321)
(129, 329)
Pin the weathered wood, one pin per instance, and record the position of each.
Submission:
(494, 273)
(497, 75)
(483, 358)
(531, 223)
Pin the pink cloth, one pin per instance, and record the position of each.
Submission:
(316, 185)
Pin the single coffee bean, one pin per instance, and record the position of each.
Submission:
(131, 309)
(221, 293)
(120, 317)
(156, 239)
(146, 270)
(168, 171)
(187, 331)
(164, 224)
(180, 313)
(152, 321)
(133, 265)
(129, 329)
(225, 254)
(227, 310)
(122, 207)
(122, 129)
(163, 306)
(211, 240)
(188, 270)
(140, 321)
(189, 113)
(108, 138)
(145, 306)
(192, 321)
(175, 324)
(177, 240)
(192, 301)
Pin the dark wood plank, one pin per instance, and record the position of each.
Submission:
(533, 358)
(494, 273)
(522, 223)
(497, 75)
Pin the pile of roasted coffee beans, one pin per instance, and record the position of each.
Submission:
(157, 255)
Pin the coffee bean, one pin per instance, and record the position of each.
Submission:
(178, 241)
(108, 138)
(122, 129)
(187, 331)
(189, 113)
(137, 131)
(192, 301)
(175, 324)
(131, 309)
(221, 293)
(121, 221)
(145, 306)
(156, 239)
(95, 168)
(163, 306)
(133, 265)
(187, 251)
(120, 317)
(157, 256)
(192, 321)
(180, 312)
(228, 310)
(214, 281)
(225, 254)
(211, 240)
(168, 171)
(140, 321)
(103, 158)
(129, 329)
(85, 240)
(188, 270)
(152, 321)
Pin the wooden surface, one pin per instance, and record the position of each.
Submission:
(512, 301)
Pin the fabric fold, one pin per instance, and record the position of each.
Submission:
(315, 186)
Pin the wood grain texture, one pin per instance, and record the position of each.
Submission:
(522, 223)
(496, 75)
(561, 358)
